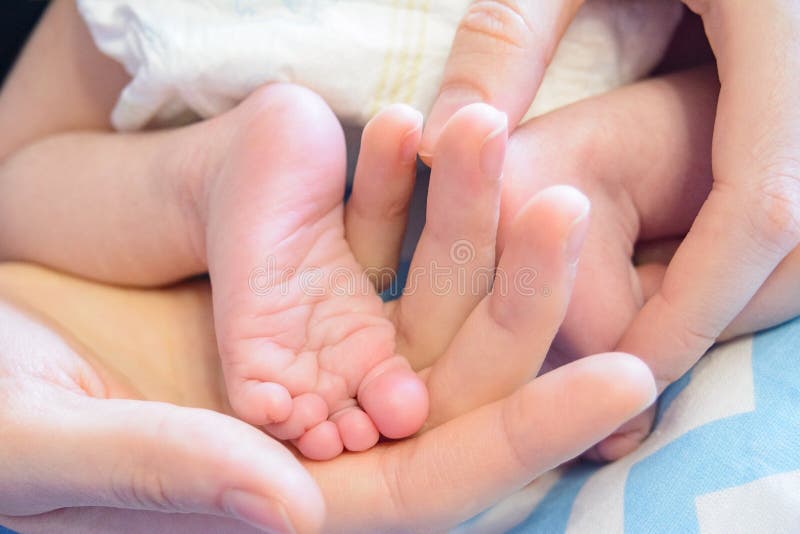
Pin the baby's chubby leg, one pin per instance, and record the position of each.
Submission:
(113, 207)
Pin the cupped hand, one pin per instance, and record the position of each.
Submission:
(491, 429)
(750, 222)
(72, 440)
(648, 173)
(477, 340)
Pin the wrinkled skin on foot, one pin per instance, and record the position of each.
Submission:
(307, 348)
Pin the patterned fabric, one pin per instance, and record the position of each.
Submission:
(724, 457)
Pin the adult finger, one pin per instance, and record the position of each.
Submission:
(776, 301)
(655, 193)
(454, 262)
(503, 342)
(377, 212)
(499, 56)
(66, 445)
(751, 220)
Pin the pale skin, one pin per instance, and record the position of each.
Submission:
(405, 485)
(113, 457)
(746, 229)
(261, 184)
(347, 509)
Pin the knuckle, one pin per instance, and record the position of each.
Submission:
(774, 209)
(145, 483)
(503, 23)
(691, 337)
(148, 492)
(396, 207)
(389, 208)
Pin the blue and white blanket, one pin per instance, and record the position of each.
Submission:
(724, 457)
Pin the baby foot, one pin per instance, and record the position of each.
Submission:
(306, 349)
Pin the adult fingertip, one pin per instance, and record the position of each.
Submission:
(449, 101)
(411, 139)
(639, 374)
(629, 380)
(560, 202)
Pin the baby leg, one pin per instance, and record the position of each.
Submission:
(262, 183)
(116, 208)
(61, 82)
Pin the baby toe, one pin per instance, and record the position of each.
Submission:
(356, 429)
(321, 442)
(261, 403)
(395, 398)
(308, 411)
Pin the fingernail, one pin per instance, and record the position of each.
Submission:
(261, 512)
(448, 102)
(577, 235)
(493, 151)
(410, 143)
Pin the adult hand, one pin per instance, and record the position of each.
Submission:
(77, 461)
(499, 56)
(648, 175)
(751, 220)
(70, 440)
(482, 403)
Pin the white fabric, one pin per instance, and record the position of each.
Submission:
(193, 58)
(732, 510)
(731, 367)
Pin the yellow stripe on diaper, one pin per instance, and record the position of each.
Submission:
(387, 62)
(411, 86)
(401, 74)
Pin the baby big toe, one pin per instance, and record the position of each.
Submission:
(395, 398)
(321, 442)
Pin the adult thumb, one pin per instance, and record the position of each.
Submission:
(159, 457)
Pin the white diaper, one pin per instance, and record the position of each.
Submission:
(191, 58)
